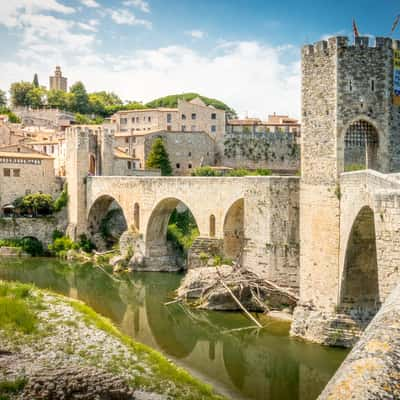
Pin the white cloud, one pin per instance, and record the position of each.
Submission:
(11, 11)
(196, 34)
(140, 4)
(125, 17)
(90, 3)
(249, 76)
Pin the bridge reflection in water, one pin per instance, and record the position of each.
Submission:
(242, 365)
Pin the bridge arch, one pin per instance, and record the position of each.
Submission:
(157, 248)
(234, 229)
(360, 285)
(106, 206)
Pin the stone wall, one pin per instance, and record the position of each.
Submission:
(39, 228)
(275, 151)
(371, 370)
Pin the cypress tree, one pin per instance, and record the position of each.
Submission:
(158, 158)
(35, 81)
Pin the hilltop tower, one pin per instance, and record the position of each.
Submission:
(58, 82)
(349, 120)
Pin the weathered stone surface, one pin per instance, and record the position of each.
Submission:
(372, 369)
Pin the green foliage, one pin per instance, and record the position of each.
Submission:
(3, 99)
(86, 244)
(208, 171)
(11, 388)
(354, 167)
(37, 204)
(11, 116)
(182, 230)
(62, 200)
(58, 99)
(85, 120)
(172, 101)
(79, 101)
(15, 311)
(158, 158)
(36, 97)
(30, 245)
(61, 245)
(19, 92)
(56, 235)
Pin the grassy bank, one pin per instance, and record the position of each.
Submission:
(35, 323)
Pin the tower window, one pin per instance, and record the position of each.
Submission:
(372, 85)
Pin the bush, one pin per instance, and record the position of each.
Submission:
(206, 171)
(61, 200)
(61, 245)
(30, 245)
(37, 204)
(86, 244)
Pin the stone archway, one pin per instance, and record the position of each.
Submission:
(234, 230)
(106, 221)
(161, 254)
(360, 286)
(361, 143)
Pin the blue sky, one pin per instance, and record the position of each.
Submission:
(244, 52)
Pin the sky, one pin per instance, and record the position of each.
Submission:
(245, 53)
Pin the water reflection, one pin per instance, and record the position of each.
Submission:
(241, 364)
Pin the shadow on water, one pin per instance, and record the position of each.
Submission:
(248, 364)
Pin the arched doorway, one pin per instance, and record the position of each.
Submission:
(234, 230)
(170, 232)
(106, 222)
(361, 146)
(360, 285)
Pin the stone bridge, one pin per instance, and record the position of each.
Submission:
(256, 218)
(337, 310)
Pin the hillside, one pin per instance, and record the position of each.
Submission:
(172, 101)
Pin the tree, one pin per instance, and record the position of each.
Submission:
(19, 93)
(158, 158)
(3, 99)
(79, 101)
(57, 99)
(35, 82)
(36, 97)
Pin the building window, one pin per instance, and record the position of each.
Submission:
(6, 172)
(124, 121)
(169, 118)
(213, 116)
(350, 85)
(213, 128)
(126, 140)
(193, 116)
(190, 154)
(16, 173)
(27, 191)
(168, 127)
(178, 165)
(149, 119)
(183, 128)
(183, 117)
(134, 153)
(190, 166)
(133, 120)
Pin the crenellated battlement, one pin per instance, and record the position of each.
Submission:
(330, 46)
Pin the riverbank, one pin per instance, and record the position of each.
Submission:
(54, 346)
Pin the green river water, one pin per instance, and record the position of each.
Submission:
(267, 365)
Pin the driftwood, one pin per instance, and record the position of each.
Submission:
(240, 304)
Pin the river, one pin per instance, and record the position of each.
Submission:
(247, 364)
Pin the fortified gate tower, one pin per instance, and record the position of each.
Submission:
(349, 121)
